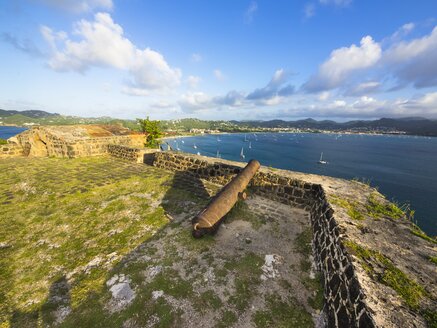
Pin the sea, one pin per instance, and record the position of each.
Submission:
(9, 131)
(403, 168)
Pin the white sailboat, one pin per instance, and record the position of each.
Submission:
(250, 144)
(194, 146)
(218, 154)
(321, 161)
(182, 141)
(242, 153)
(245, 138)
(198, 153)
(218, 139)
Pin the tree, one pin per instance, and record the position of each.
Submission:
(152, 130)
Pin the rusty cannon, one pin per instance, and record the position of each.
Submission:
(209, 219)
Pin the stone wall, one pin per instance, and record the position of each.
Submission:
(10, 150)
(344, 297)
(127, 153)
(284, 189)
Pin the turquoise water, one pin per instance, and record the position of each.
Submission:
(9, 131)
(404, 168)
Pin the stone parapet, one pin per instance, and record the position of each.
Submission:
(127, 153)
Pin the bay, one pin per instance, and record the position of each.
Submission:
(10, 131)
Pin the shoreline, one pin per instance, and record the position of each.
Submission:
(300, 132)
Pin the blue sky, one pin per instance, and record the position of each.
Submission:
(227, 59)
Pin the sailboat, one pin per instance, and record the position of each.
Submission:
(245, 138)
(177, 146)
(194, 146)
(182, 141)
(242, 153)
(321, 161)
(250, 144)
(198, 153)
(218, 139)
(218, 154)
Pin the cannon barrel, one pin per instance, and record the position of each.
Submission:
(210, 217)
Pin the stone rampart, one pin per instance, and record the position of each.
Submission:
(74, 141)
(344, 297)
(127, 153)
(10, 150)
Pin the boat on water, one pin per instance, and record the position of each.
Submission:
(194, 146)
(242, 153)
(198, 153)
(218, 139)
(250, 145)
(182, 141)
(321, 161)
(218, 154)
(245, 138)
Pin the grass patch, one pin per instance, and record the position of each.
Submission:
(317, 300)
(61, 215)
(433, 259)
(172, 284)
(241, 211)
(211, 300)
(351, 207)
(227, 320)
(383, 270)
(303, 241)
(378, 209)
(415, 230)
(281, 313)
(3, 141)
(247, 271)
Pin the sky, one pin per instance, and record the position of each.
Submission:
(220, 59)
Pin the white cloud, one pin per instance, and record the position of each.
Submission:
(275, 91)
(324, 95)
(309, 10)
(414, 61)
(196, 58)
(336, 2)
(250, 12)
(364, 88)
(79, 6)
(423, 105)
(219, 75)
(343, 63)
(193, 81)
(101, 43)
(231, 99)
(195, 101)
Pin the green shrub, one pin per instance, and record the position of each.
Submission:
(152, 130)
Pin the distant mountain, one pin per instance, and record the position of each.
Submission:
(409, 125)
(27, 113)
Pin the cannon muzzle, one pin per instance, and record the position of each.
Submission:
(209, 219)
